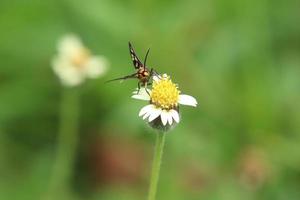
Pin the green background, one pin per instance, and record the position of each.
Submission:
(239, 59)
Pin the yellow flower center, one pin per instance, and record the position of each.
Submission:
(80, 57)
(164, 93)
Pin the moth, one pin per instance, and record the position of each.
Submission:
(143, 72)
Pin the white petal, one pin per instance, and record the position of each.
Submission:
(141, 94)
(142, 91)
(154, 113)
(69, 45)
(135, 91)
(66, 72)
(187, 100)
(164, 117)
(175, 115)
(170, 119)
(145, 110)
(156, 78)
(146, 115)
(140, 97)
(165, 76)
(96, 66)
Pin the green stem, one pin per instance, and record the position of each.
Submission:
(67, 142)
(158, 152)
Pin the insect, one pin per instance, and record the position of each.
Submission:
(143, 73)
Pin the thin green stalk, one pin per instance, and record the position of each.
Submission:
(66, 143)
(158, 152)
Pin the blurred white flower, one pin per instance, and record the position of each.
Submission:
(74, 62)
(164, 97)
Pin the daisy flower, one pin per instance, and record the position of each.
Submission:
(164, 98)
(74, 62)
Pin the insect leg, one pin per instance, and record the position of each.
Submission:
(139, 87)
(154, 72)
(151, 72)
(146, 88)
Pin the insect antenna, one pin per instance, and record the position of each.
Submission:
(145, 60)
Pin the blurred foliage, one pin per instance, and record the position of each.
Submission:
(240, 59)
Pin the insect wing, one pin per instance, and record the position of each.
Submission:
(136, 62)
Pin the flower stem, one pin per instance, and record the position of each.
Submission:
(66, 143)
(158, 152)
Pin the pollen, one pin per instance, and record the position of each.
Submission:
(165, 93)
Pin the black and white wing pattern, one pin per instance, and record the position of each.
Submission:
(136, 62)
